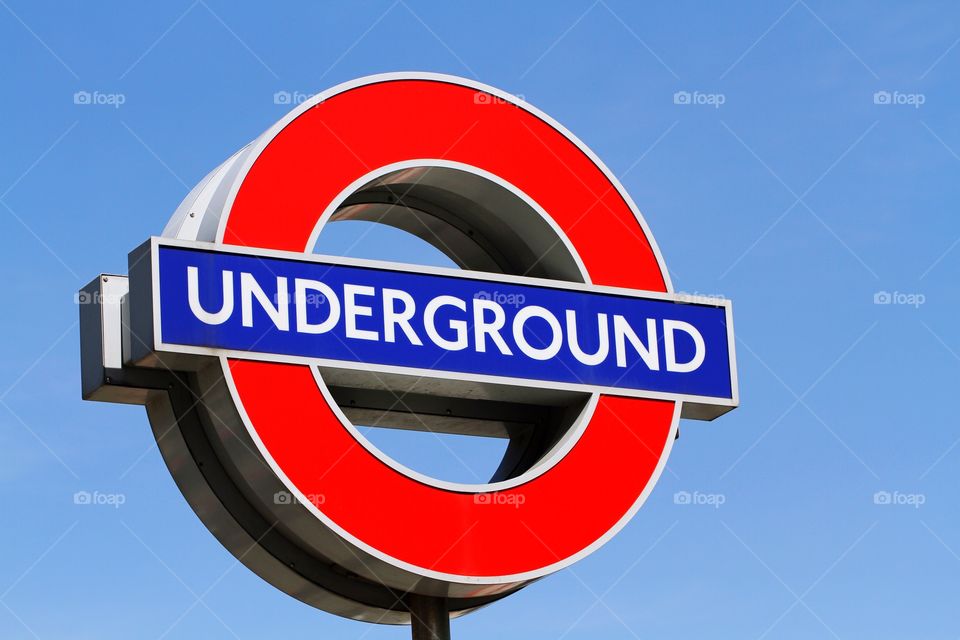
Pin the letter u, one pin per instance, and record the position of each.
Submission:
(193, 294)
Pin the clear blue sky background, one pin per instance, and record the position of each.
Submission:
(799, 198)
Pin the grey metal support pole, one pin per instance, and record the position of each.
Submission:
(429, 617)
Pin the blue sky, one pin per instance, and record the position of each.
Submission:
(787, 183)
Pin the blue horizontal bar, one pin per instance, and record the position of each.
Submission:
(369, 315)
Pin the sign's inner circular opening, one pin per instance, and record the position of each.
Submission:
(458, 432)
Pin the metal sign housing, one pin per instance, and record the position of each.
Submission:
(256, 358)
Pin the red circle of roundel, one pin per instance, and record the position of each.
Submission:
(569, 509)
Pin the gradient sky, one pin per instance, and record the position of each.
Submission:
(814, 168)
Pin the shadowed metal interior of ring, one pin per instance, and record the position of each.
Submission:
(482, 226)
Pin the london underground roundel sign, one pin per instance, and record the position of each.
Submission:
(256, 357)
